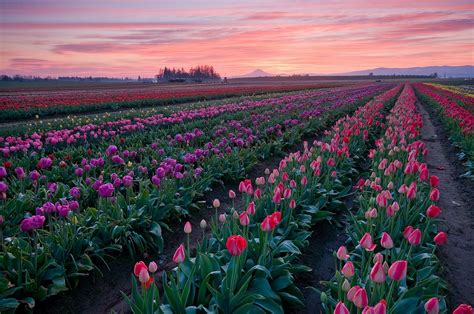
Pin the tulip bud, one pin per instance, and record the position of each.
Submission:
(222, 218)
(251, 208)
(346, 286)
(203, 224)
(235, 215)
(231, 195)
(152, 267)
(385, 267)
(267, 171)
(188, 228)
(216, 203)
(378, 258)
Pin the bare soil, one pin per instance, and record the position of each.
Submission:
(456, 202)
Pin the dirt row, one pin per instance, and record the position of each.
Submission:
(456, 202)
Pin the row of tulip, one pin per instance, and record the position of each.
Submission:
(53, 139)
(463, 95)
(457, 117)
(247, 263)
(87, 209)
(21, 105)
(389, 264)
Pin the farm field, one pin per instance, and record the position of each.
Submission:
(336, 197)
(29, 100)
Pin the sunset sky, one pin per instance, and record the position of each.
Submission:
(114, 38)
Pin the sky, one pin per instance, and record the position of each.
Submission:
(131, 38)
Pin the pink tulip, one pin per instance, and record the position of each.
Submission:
(415, 237)
(222, 218)
(360, 298)
(348, 270)
(367, 243)
(378, 258)
(386, 241)
(377, 273)
(178, 256)
(231, 194)
(342, 253)
(341, 309)
(292, 204)
(434, 195)
(251, 208)
(432, 306)
(244, 219)
(188, 228)
(153, 267)
(380, 308)
(398, 270)
(352, 291)
(216, 203)
(408, 230)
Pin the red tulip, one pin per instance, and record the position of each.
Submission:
(441, 238)
(348, 270)
(367, 243)
(398, 270)
(432, 306)
(236, 244)
(139, 266)
(368, 310)
(434, 195)
(178, 256)
(341, 309)
(360, 298)
(342, 253)
(377, 273)
(386, 242)
(463, 309)
(415, 237)
(434, 181)
(411, 193)
(433, 211)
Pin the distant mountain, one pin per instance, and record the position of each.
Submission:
(255, 73)
(448, 71)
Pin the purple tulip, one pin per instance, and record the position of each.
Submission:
(75, 192)
(20, 173)
(33, 222)
(106, 190)
(3, 172)
(45, 163)
(127, 181)
(34, 175)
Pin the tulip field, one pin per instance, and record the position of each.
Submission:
(77, 193)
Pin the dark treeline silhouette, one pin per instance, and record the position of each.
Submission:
(196, 74)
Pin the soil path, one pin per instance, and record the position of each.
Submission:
(456, 201)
